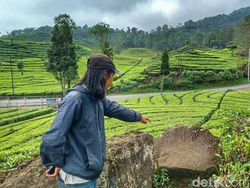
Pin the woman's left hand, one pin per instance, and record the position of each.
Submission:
(54, 175)
(144, 119)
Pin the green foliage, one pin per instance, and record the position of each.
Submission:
(25, 116)
(20, 140)
(62, 59)
(107, 50)
(160, 178)
(168, 82)
(183, 84)
(195, 76)
(227, 75)
(235, 149)
(128, 61)
(231, 45)
(219, 28)
(242, 36)
(125, 86)
(101, 30)
(20, 66)
(239, 74)
(211, 76)
(33, 55)
(219, 38)
(165, 67)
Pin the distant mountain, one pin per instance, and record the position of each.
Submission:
(219, 21)
(203, 32)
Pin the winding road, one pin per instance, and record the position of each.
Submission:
(38, 102)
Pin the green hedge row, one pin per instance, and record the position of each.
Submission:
(188, 78)
(25, 116)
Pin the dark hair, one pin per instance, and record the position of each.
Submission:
(99, 66)
(94, 80)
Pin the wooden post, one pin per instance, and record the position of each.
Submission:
(12, 78)
(8, 103)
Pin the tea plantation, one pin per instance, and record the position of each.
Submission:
(21, 129)
(137, 64)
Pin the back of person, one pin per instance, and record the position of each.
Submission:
(75, 143)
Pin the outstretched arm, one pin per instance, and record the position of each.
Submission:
(115, 110)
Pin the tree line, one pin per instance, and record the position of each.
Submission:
(213, 32)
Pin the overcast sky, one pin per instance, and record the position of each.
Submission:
(143, 14)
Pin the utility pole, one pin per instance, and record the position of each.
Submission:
(12, 79)
(11, 70)
(248, 67)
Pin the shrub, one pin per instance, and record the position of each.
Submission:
(127, 85)
(210, 76)
(235, 150)
(173, 75)
(186, 73)
(168, 82)
(227, 75)
(183, 84)
(220, 76)
(194, 76)
(239, 75)
(161, 178)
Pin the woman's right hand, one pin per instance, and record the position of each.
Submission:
(144, 119)
(54, 175)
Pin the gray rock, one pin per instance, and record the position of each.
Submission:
(187, 151)
(129, 162)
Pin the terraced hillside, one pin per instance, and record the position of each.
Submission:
(25, 49)
(135, 63)
(35, 79)
(209, 59)
(20, 136)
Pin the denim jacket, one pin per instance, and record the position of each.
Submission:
(76, 140)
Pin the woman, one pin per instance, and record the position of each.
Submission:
(75, 143)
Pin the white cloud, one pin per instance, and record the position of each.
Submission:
(167, 8)
(144, 14)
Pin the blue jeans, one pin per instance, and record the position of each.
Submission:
(89, 184)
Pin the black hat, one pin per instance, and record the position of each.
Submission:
(102, 61)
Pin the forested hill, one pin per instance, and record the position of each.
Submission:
(216, 31)
(219, 21)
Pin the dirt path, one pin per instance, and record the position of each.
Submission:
(125, 97)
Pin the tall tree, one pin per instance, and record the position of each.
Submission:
(101, 30)
(107, 49)
(62, 59)
(165, 68)
(242, 36)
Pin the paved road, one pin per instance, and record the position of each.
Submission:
(42, 101)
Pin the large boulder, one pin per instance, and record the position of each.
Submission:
(129, 163)
(187, 151)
